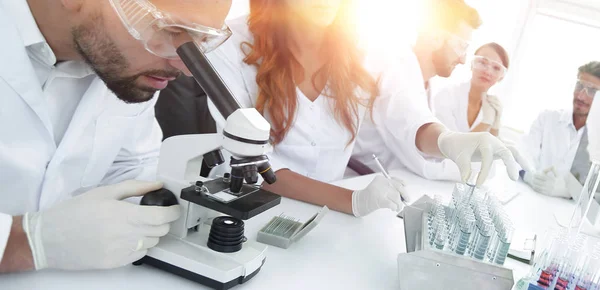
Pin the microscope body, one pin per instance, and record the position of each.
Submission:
(185, 251)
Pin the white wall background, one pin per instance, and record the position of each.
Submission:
(546, 39)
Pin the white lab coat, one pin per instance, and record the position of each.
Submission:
(106, 142)
(552, 141)
(383, 136)
(317, 144)
(451, 104)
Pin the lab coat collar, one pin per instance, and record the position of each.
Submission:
(16, 70)
(30, 33)
(566, 117)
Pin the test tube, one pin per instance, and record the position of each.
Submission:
(441, 237)
(504, 243)
(586, 273)
(484, 233)
(568, 265)
(433, 211)
(500, 220)
(438, 222)
(592, 271)
(548, 266)
(467, 226)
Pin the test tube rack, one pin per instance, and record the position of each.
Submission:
(424, 267)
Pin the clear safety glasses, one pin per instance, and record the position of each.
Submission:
(162, 33)
(485, 64)
(458, 45)
(590, 89)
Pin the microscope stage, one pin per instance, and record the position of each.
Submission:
(244, 208)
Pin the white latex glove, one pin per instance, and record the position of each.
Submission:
(497, 106)
(464, 148)
(488, 112)
(520, 158)
(528, 177)
(97, 230)
(380, 193)
(549, 184)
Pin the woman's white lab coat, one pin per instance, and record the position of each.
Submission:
(317, 144)
(451, 104)
(106, 142)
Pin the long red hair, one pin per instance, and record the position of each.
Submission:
(346, 77)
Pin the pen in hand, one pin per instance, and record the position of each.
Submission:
(384, 172)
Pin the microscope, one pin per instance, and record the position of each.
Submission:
(200, 246)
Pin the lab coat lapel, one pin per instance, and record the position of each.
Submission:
(87, 111)
(17, 71)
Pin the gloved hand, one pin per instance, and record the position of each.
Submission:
(550, 185)
(495, 103)
(547, 183)
(488, 112)
(528, 177)
(464, 148)
(380, 193)
(97, 230)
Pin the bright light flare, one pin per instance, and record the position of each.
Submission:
(388, 22)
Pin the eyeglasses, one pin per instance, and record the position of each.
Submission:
(458, 44)
(162, 33)
(590, 89)
(492, 66)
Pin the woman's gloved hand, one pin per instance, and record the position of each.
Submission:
(495, 103)
(97, 230)
(488, 112)
(380, 193)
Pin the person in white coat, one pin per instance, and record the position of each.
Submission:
(441, 45)
(467, 106)
(77, 87)
(298, 63)
(557, 140)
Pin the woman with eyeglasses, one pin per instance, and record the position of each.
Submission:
(299, 64)
(467, 106)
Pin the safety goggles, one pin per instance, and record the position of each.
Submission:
(485, 64)
(590, 89)
(162, 33)
(457, 43)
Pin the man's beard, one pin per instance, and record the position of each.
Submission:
(579, 112)
(441, 63)
(99, 51)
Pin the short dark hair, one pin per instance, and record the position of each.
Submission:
(449, 14)
(592, 68)
(499, 50)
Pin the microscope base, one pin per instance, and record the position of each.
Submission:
(214, 284)
(192, 259)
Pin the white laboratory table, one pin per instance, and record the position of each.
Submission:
(342, 252)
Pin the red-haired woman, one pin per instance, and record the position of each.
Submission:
(300, 65)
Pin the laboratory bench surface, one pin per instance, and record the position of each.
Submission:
(342, 252)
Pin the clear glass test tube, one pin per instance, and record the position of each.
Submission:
(486, 227)
(467, 227)
(503, 244)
